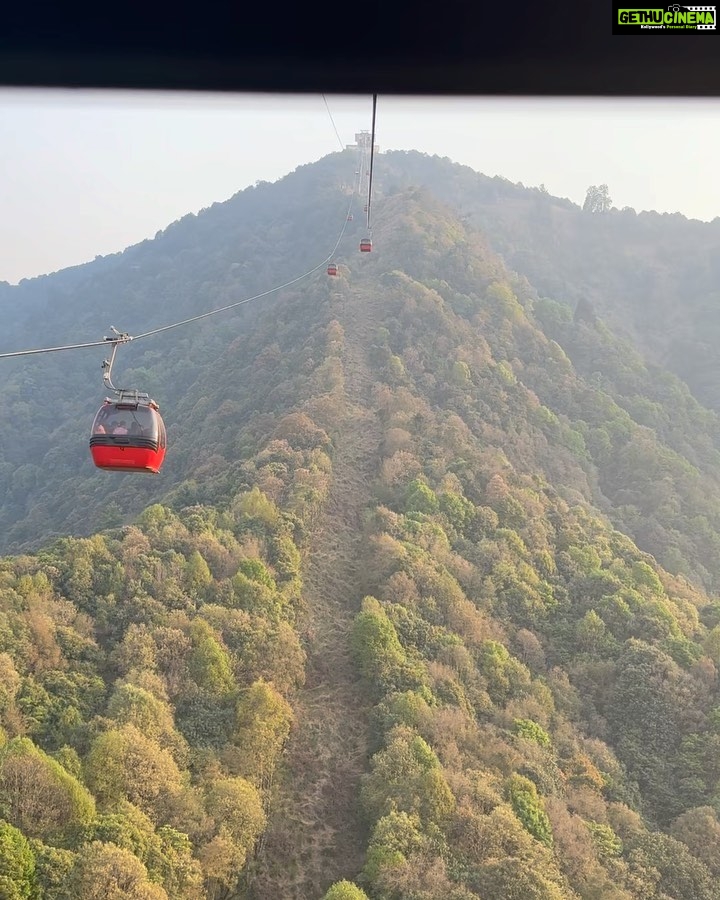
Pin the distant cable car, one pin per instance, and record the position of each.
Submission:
(128, 435)
(332, 269)
(365, 245)
(365, 208)
(350, 217)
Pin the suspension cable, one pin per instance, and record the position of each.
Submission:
(102, 343)
(372, 155)
(342, 146)
(279, 287)
(126, 337)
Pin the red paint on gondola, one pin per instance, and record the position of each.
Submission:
(128, 437)
(128, 459)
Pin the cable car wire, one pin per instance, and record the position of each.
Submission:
(126, 338)
(372, 155)
(342, 146)
(213, 312)
(102, 343)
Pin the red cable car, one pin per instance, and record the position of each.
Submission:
(128, 435)
(365, 245)
(332, 269)
(349, 218)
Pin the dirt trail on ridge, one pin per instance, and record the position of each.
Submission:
(315, 836)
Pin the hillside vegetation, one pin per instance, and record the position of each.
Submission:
(423, 604)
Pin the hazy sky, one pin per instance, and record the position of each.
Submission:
(86, 173)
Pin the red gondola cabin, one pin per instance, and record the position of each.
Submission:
(128, 436)
(350, 217)
(332, 269)
(365, 245)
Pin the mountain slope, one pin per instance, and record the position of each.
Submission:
(328, 753)
(652, 277)
(423, 607)
(255, 241)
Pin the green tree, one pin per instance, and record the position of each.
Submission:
(530, 730)
(104, 871)
(17, 864)
(165, 852)
(380, 655)
(37, 794)
(515, 879)
(255, 508)
(262, 724)
(180, 873)
(420, 497)
(527, 806)
(597, 199)
(645, 714)
(345, 890)
(407, 777)
(124, 763)
(208, 661)
(507, 677)
(257, 597)
(236, 806)
(256, 570)
(591, 632)
(607, 843)
(395, 837)
(699, 830)
(197, 575)
(681, 875)
(133, 705)
(53, 869)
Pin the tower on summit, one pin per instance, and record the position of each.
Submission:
(362, 142)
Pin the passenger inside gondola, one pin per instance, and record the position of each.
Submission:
(139, 422)
(100, 426)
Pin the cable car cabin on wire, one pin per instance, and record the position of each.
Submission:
(365, 245)
(128, 435)
(332, 269)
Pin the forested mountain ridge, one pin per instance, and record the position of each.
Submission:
(262, 237)
(424, 607)
(652, 277)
